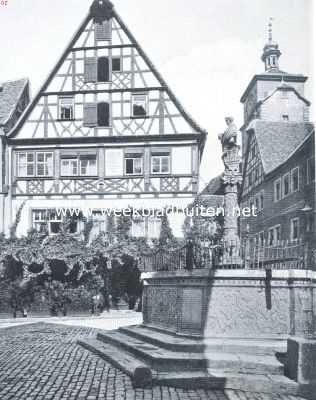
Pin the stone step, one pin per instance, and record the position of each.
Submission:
(143, 376)
(162, 359)
(158, 358)
(217, 379)
(176, 343)
(139, 372)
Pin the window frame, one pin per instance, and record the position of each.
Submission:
(77, 158)
(276, 232)
(60, 98)
(287, 175)
(293, 220)
(47, 220)
(161, 156)
(130, 157)
(298, 179)
(146, 115)
(279, 180)
(121, 64)
(35, 163)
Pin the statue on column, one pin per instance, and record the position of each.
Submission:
(231, 179)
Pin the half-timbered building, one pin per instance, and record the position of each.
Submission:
(104, 131)
(278, 156)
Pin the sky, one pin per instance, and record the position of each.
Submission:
(207, 50)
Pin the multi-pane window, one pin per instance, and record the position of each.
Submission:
(44, 164)
(66, 108)
(295, 179)
(148, 227)
(160, 163)
(88, 165)
(69, 166)
(46, 220)
(139, 105)
(286, 184)
(133, 164)
(78, 165)
(34, 164)
(295, 233)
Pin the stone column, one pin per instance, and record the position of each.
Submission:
(231, 179)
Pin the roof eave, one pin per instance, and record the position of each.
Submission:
(272, 77)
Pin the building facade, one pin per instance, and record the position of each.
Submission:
(104, 131)
(14, 98)
(278, 156)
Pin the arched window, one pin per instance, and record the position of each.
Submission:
(103, 114)
(103, 69)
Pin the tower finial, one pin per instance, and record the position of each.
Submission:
(271, 52)
(270, 30)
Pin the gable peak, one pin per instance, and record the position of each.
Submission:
(101, 10)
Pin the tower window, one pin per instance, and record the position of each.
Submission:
(285, 117)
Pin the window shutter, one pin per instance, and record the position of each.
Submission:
(103, 69)
(103, 114)
(90, 69)
(103, 31)
(90, 114)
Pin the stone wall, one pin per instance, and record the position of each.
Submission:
(233, 303)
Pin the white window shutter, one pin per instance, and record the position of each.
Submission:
(90, 114)
(90, 69)
(114, 162)
(103, 31)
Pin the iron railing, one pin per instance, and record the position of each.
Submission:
(228, 255)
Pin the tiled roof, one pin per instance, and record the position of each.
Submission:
(10, 93)
(214, 187)
(278, 140)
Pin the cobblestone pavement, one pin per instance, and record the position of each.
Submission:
(43, 362)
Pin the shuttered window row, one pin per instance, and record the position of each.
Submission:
(96, 114)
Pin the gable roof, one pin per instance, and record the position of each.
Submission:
(278, 140)
(115, 15)
(10, 94)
